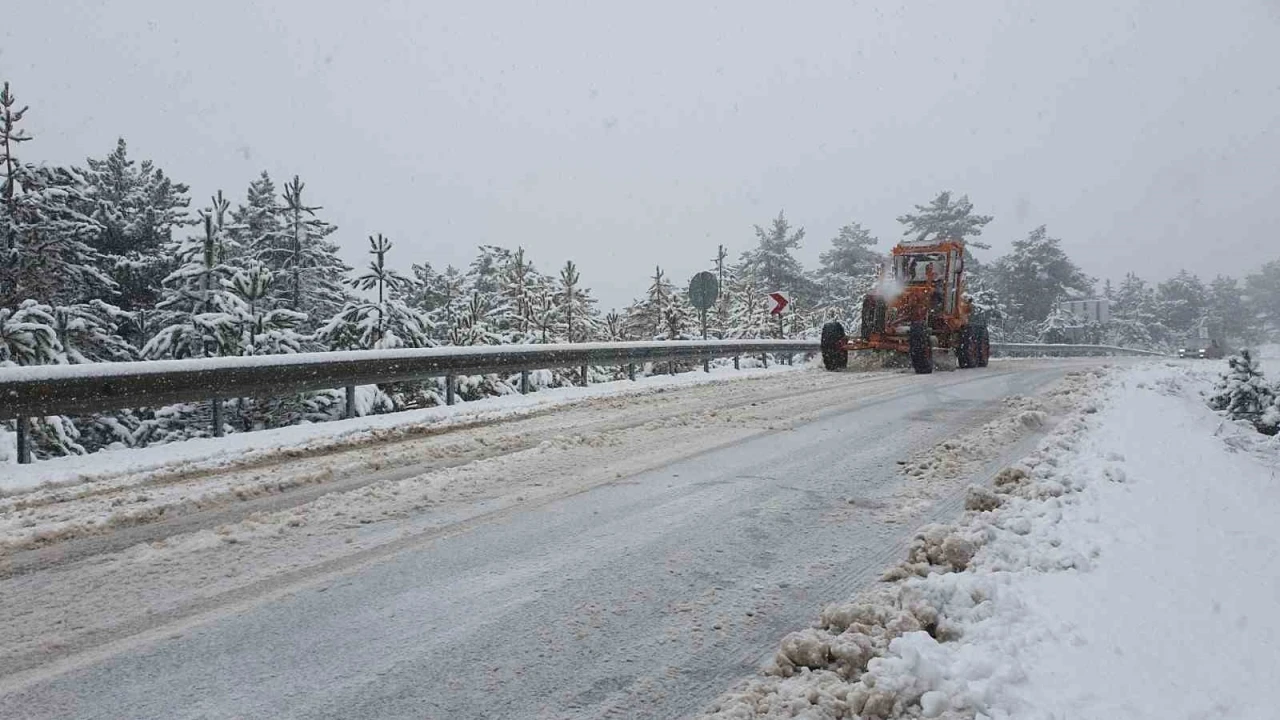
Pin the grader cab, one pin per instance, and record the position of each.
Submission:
(917, 307)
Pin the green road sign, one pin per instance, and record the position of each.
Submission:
(703, 290)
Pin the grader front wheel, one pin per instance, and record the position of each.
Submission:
(834, 356)
(920, 345)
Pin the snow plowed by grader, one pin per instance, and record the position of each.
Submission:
(917, 307)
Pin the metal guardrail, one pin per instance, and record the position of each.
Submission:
(44, 390)
(1045, 350)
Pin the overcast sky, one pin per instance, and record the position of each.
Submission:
(623, 135)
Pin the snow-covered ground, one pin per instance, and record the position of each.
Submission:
(246, 448)
(1128, 568)
(366, 495)
(703, 516)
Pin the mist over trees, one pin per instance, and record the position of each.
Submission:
(110, 262)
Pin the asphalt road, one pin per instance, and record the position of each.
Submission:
(643, 597)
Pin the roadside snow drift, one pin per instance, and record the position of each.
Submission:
(203, 454)
(1128, 568)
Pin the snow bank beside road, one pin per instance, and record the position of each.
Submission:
(1128, 568)
(244, 448)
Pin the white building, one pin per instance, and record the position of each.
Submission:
(1086, 311)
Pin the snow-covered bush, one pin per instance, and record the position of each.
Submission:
(1244, 394)
(1054, 329)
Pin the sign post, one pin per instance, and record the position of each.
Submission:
(704, 289)
(780, 303)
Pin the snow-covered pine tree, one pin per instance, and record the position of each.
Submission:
(988, 305)
(138, 208)
(577, 308)
(614, 328)
(263, 330)
(307, 263)
(749, 306)
(50, 281)
(679, 320)
(1244, 394)
(52, 260)
(226, 249)
(521, 288)
(485, 273)
(1133, 316)
(481, 323)
(449, 294)
(943, 218)
(420, 292)
(200, 313)
(38, 334)
(484, 313)
(46, 252)
(1181, 302)
(10, 137)
(546, 313)
(773, 263)
(1037, 274)
(1130, 295)
(646, 318)
(90, 332)
(719, 318)
(800, 321)
(27, 335)
(1053, 329)
(1226, 304)
(1125, 332)
(255, 227)
(381, 323)
(847, 271)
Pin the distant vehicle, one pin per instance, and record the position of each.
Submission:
(1205, 350)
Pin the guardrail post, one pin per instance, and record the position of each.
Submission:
(585, 380)
(524, 382)
(765, 358)
(449, 382)
(737, 362)
(24, 442)
(631, 371)
(349, 409)
(217, 416)
(706, 366)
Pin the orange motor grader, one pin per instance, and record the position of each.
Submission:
(918, 306)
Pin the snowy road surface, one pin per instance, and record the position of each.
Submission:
(638, 558)
(1128, 567)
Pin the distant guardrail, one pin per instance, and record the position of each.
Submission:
(1047, 350)
(44, 390)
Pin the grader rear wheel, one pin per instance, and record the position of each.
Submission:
(966, 348)
(982, 346)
